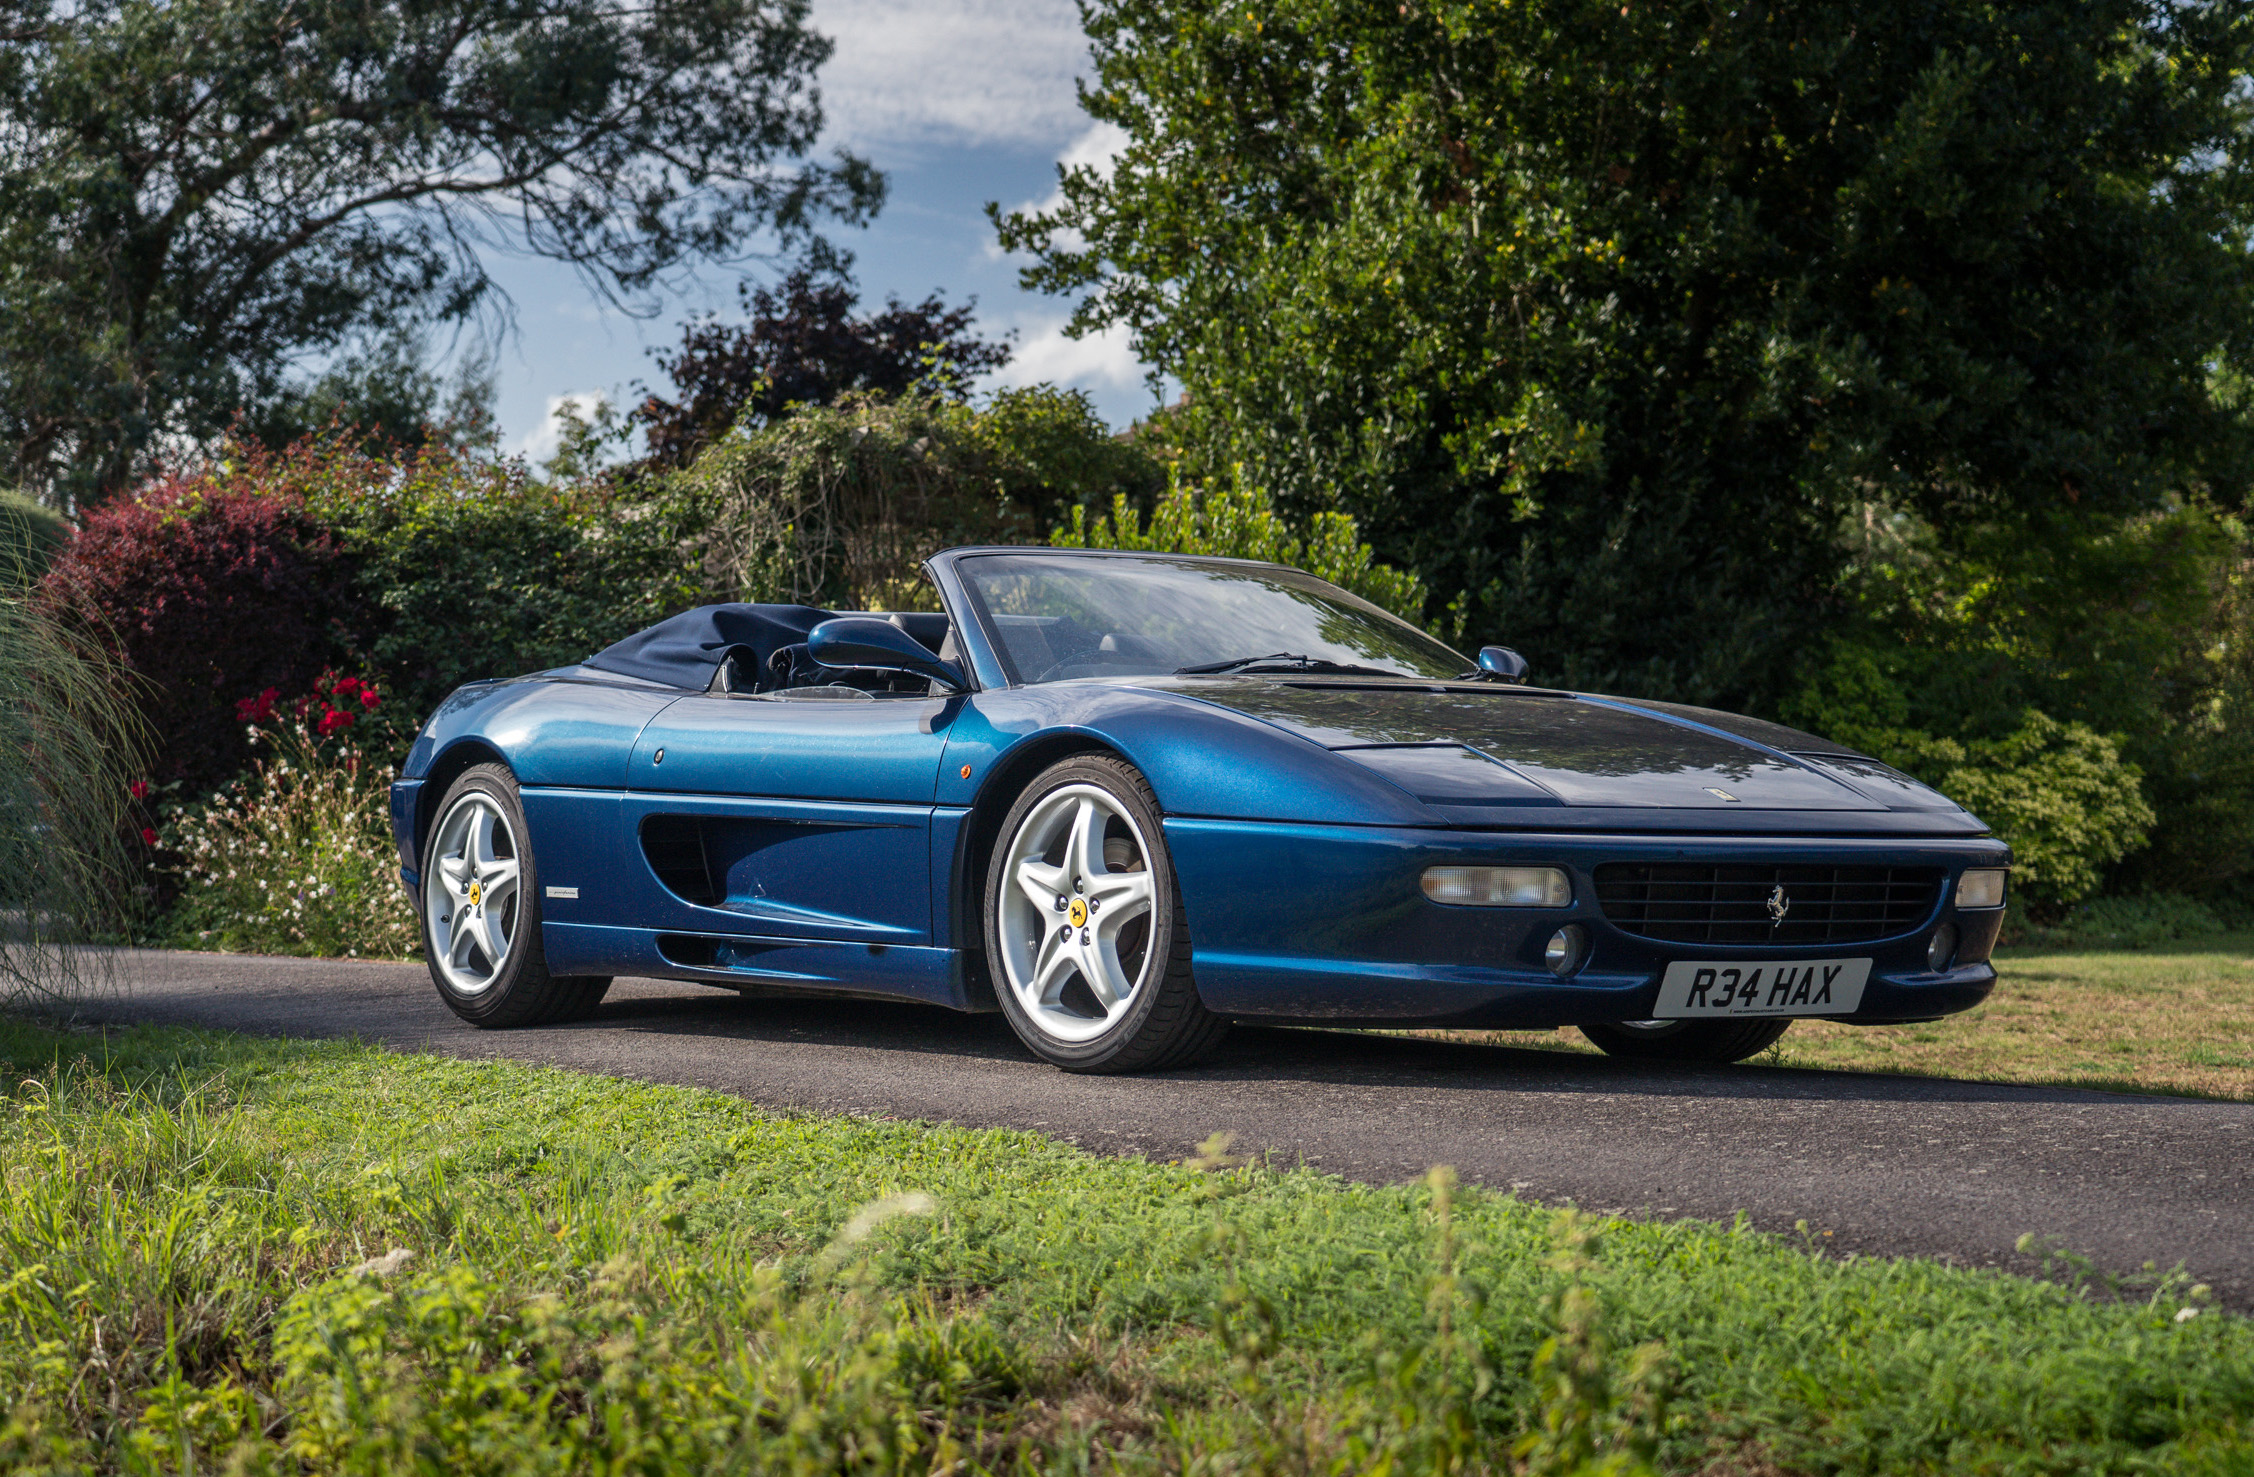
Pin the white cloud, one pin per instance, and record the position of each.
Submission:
(542, 443)
(974, 72)
(1098, 147)
(1103, 360)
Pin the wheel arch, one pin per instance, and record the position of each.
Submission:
(458, 757)
(1004, 783)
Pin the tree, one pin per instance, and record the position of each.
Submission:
(388, 390)
(198, 195)
(839, 504)
(802, 345)
(1605, 319)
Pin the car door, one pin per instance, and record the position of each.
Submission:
(788, 816)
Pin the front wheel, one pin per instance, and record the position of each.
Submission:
(1687, 1041)
(481, 912)
(1084, 929)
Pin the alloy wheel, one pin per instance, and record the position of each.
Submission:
(1075, 917)
(471, 895)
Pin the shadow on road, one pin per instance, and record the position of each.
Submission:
(1281, 1055)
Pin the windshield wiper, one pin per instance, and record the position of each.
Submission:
(1287, 661)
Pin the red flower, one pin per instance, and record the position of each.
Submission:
(257, 709)
(347, 687)
(139, 789)
(333, 720)
(148, 836)
(368, 698)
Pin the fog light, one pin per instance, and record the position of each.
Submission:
(1982, 887)
(1499, 887)
(1940, 947)
(1567, 948)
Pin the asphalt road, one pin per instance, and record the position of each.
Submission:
(1891, 1165)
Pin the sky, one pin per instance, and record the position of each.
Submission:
(958, 104)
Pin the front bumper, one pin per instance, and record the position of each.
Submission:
(1327, 924)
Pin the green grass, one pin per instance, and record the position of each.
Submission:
(2178, 1018)
(617, 1277)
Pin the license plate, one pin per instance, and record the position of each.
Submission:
(1690, 990)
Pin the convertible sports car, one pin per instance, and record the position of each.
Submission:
(1131, 798)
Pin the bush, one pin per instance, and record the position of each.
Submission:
(208, 588)
(2059, 793)
(838, 505)
(468, 568)
(297, 856)
(430, 567)
(29, 537)
(2146, 921)
(2139, 628)
(1239, 522)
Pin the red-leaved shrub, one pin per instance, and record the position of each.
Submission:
(210, 591)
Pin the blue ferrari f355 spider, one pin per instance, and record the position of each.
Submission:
(1130, 798)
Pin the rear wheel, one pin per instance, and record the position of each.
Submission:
(1084, 929)
(481, 912)
(1686, 1041)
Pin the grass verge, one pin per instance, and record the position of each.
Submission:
(2177, 1019)
(290, 1256)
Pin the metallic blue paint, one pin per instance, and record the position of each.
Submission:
(1284, 916)
(841, 842)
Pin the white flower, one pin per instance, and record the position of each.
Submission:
(2185, 1315)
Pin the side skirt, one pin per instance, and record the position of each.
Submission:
(879, 971)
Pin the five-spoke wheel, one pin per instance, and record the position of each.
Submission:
(481, 915)
(1083, 924)
(471, 902)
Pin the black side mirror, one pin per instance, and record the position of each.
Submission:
(1502, 664)
(863, 641)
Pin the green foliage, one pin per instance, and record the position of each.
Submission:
(1597, 1420)
(29, 536)
(838, 505)
(295, 857)
(196, 195)
(2059, 793)
(326, 1257)
(2136, 628)
(2142, 921)
(473, 567)
(1239, 521)
(1604, 319)
(387, 389)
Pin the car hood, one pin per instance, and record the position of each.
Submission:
(1527, 746)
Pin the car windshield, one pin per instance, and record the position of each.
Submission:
(1138, 615)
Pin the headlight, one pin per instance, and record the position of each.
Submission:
(1499, 887)
(1982, 887)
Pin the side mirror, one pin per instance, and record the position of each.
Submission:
(1502, 664)
(862, 641)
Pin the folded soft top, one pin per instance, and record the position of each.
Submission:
(686, 649)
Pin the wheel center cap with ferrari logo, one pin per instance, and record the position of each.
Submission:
(1077, 913)
(477, 894)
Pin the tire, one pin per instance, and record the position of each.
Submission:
(477, 869)
(1047, 933)
(1686, 1041)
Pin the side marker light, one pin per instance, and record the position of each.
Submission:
(1982, 887)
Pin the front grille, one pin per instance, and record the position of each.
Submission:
(1698, 903)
